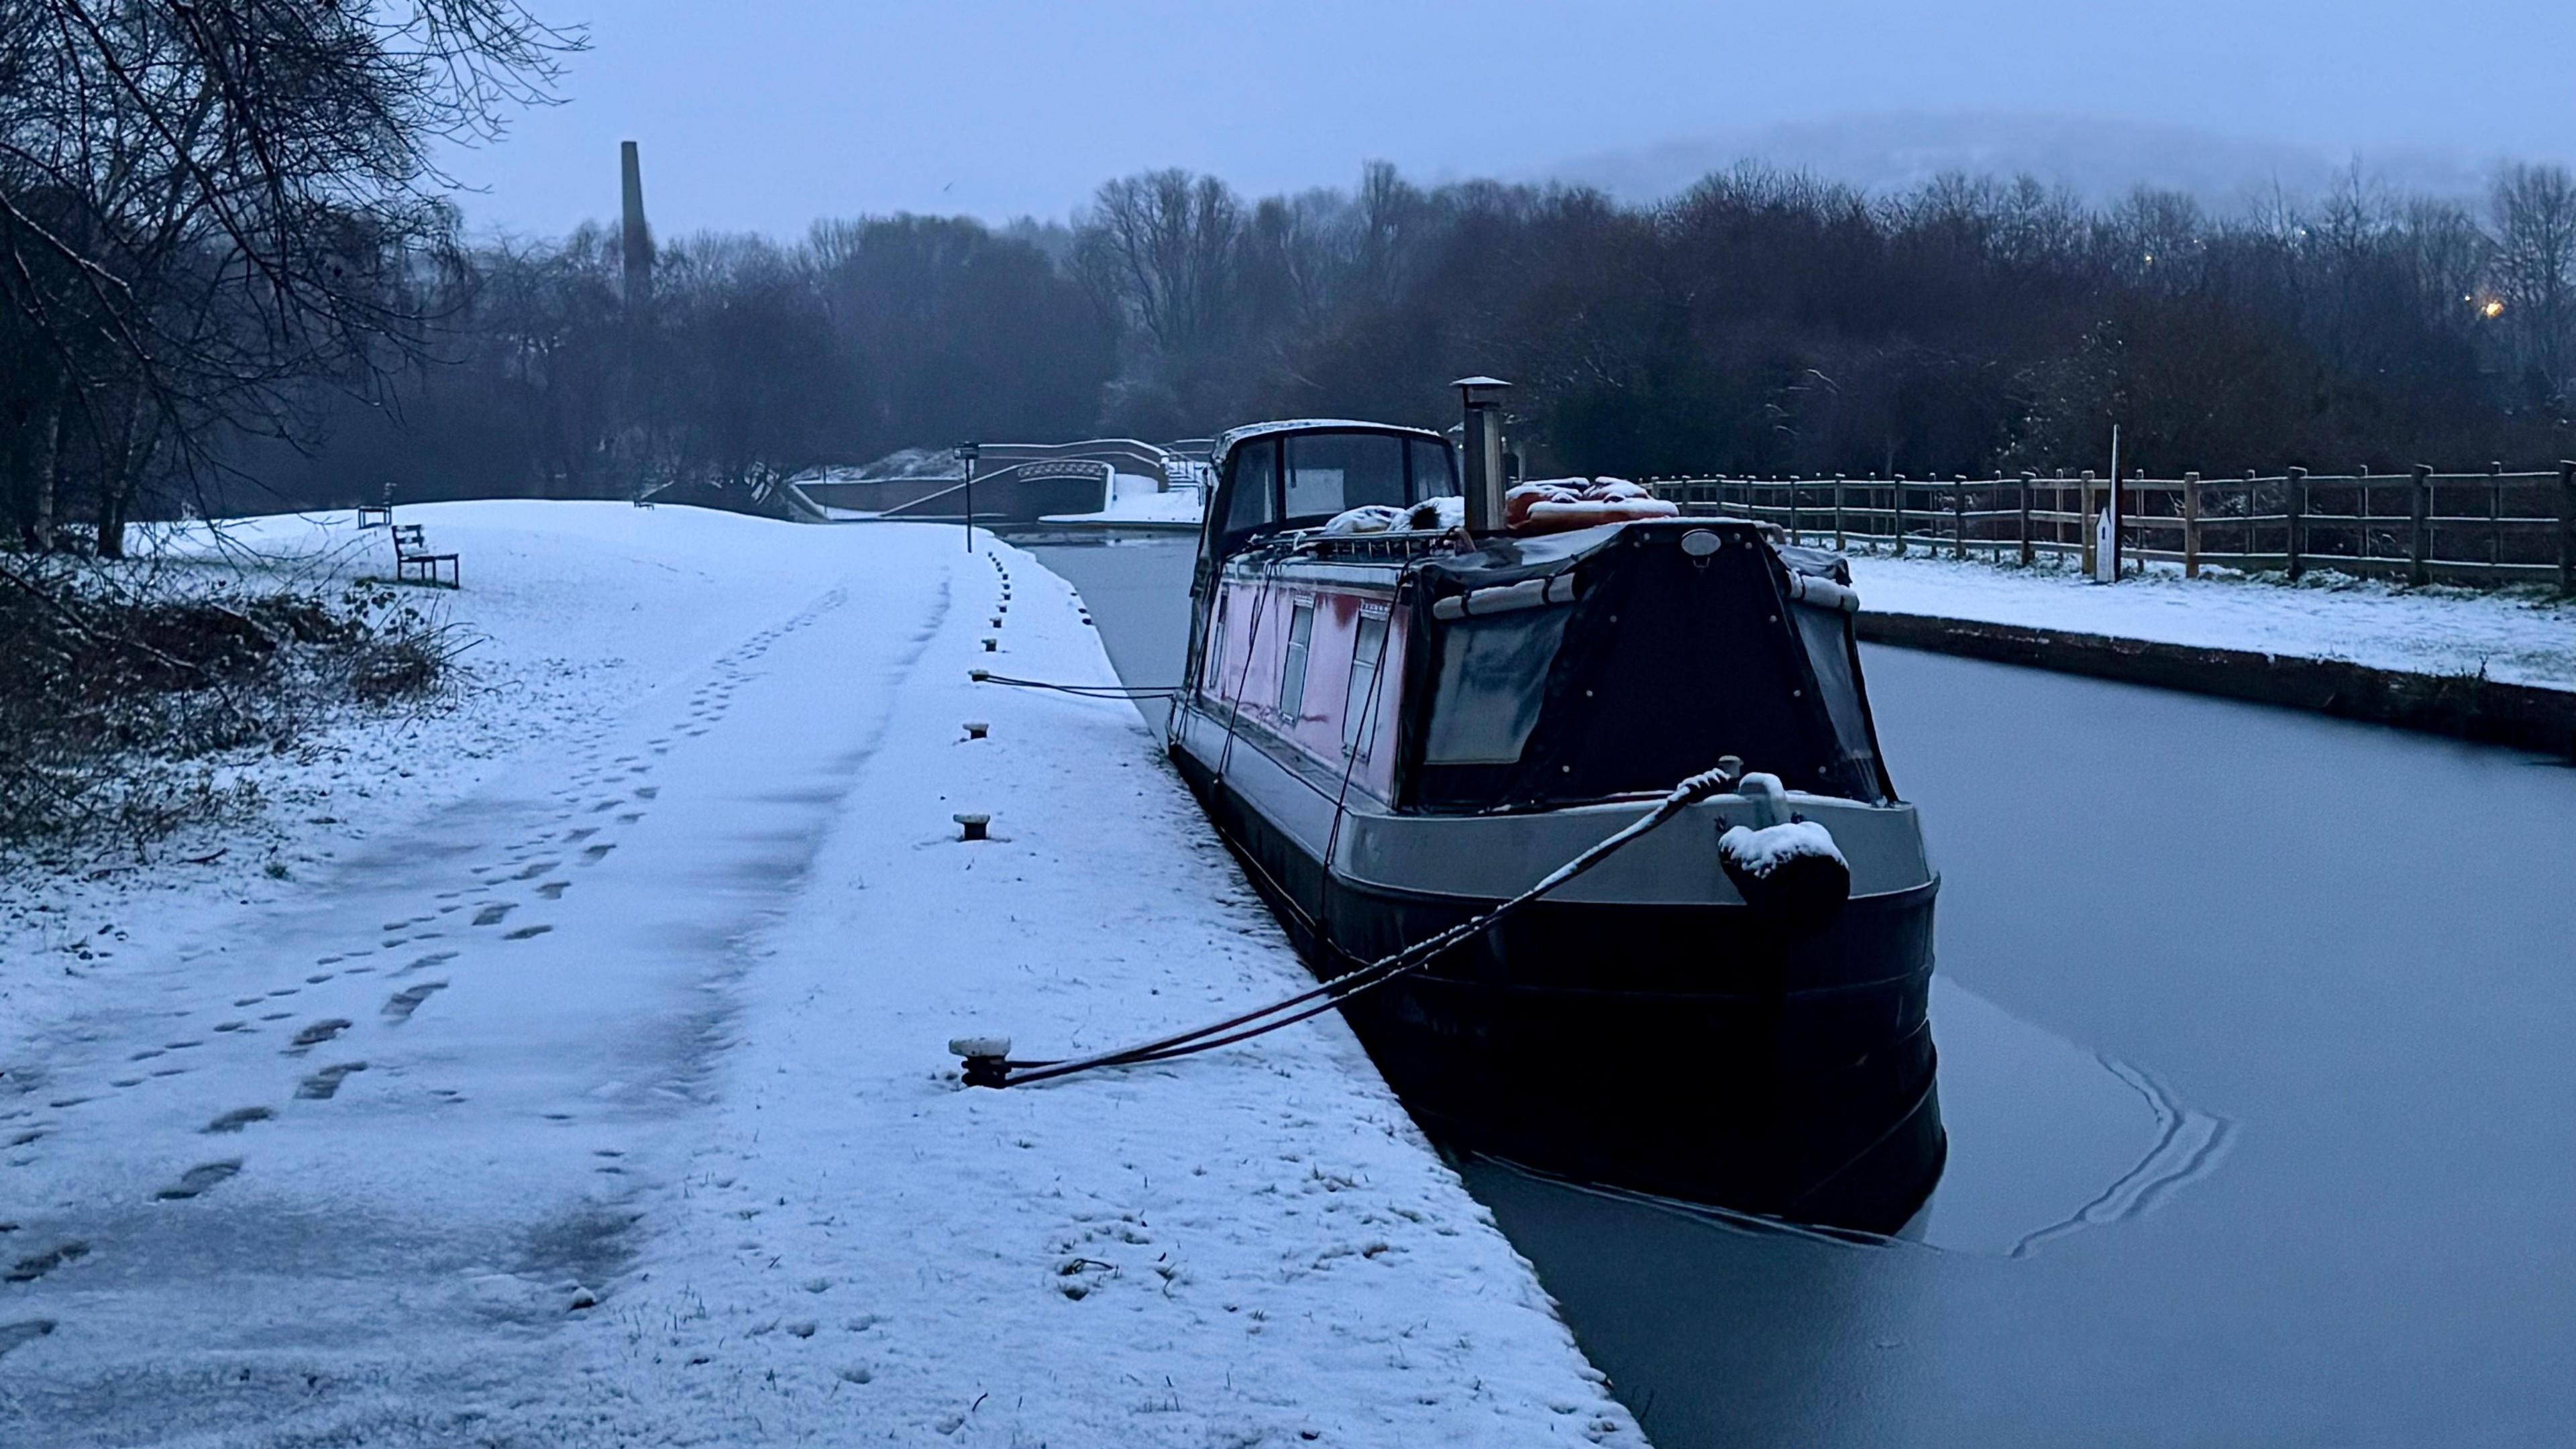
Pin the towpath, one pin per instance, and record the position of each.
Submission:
(576, 1075)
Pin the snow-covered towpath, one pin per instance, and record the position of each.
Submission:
(598, 1095)
(2520, 638)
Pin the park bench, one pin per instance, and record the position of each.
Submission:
(375, 515)
(412, 554)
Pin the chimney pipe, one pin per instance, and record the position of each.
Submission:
(1482, 447)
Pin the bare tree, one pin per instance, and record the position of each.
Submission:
(2535, 267)
(205, 201)
(1162, 249)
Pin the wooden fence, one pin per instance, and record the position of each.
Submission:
(2491, 528)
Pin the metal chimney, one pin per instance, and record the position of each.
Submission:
(638, 239)
(1482, 447)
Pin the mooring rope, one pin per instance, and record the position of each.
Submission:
(1087, 691)
(986, 1071)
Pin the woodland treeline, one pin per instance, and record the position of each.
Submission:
(1762, 323)
(220, 306)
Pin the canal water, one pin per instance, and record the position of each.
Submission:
(2255, 1055)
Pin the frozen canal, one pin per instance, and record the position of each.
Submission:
(2254, 1034)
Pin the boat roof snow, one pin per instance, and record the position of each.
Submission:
(1227, 441)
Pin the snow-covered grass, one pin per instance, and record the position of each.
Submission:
(581, 1081)
(2522, 638)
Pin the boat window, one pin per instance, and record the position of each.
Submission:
(1216, 647)
(1330, 472)
(1829, 650)
(1252, 477)
(1493, 677)
(1292, 670)
(1360, 707)
(1432, 475)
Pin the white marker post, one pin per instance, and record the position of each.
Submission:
(2106, 525)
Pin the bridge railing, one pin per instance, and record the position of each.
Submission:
(2488, 528)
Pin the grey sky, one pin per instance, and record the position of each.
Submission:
(764, 114)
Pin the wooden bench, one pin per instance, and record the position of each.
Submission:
(412, 553)
(375, 515)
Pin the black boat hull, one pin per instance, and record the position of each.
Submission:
(1684, 1051)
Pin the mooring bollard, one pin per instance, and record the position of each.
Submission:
(991, 645)
(979, 675)
(976, 729)
(983, 1058)
(972, 826)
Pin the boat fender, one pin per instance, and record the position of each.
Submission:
(1787, 869)
(1504, 598)
(1824, 593)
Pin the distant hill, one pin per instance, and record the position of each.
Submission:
(2099, 159)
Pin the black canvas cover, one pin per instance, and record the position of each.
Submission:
(1667, 660)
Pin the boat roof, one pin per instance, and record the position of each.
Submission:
(1227, 440)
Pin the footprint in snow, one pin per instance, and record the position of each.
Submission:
(408, 1000)
(434, 958)
(238, 1118)
(318, 1032)
(19, 1335)
(553, 890)
(524, 932)
(492, 915)
(36, 1266)
(196, 1180)
(323, 1085)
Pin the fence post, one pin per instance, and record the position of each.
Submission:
(1959, 516)
(1838, 513)
(2567, 528)
(2084, 523)
(2495, 522)
(2296, 506)
(1794, 536)
(2191, 525)
(2247, 514)
(2419, 527)
(1896, 495)
(2027, 477)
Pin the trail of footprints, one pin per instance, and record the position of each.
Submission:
(537, 862)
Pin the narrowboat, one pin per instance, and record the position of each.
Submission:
(1411, 692)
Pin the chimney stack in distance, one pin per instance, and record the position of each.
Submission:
(638, 238)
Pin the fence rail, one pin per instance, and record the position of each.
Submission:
(2491, 528)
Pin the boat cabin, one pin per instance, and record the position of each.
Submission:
(1396, 663)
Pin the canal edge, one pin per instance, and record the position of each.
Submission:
(2459, 706)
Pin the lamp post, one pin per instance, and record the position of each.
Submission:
(966, 456)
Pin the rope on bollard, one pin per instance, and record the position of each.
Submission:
(988, 1062)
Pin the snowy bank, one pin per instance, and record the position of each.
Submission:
(581, 1080)
(1135, 498)
(2518, 639)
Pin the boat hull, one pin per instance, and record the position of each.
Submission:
(1689, 1051)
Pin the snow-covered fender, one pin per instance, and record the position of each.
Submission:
(1787, 869)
